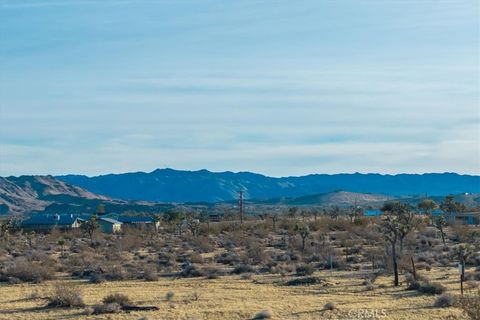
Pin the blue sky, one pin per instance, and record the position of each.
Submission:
(277, 87)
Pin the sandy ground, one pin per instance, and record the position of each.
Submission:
(230, 297)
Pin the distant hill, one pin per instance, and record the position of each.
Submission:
(28, 194)
(170, 185)
(336, 198)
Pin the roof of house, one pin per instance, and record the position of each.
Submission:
(110, 220)
(137, 219)
(373, 212)
(50, 220)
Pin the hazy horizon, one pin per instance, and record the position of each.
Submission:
(243, 171)
(277, 87)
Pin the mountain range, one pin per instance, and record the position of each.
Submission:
(166, 188)
(30, 194)
(169, 185)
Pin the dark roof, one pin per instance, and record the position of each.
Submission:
(49, 220)
(128, 219)
(372, 212)
(109, 220)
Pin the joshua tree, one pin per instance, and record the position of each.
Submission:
(440, 222)
(463, 251)
(335, 212)
(292, 212)
(390, 228)
(354, 213)
(427, 206)
(5, 230)
(304, 232)
(61, 243)
(450, 207)
(90, 226)
(274, 216)
(192, 223)
(397, 222)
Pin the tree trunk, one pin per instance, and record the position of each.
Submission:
(395, 266)
(346, 255)
(413, 269)
(443, 236)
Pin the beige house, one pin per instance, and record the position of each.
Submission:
(109, 225)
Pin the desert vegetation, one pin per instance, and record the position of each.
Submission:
(299, 262)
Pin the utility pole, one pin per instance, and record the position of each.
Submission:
(240, 205)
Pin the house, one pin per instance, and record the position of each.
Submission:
(468, 218)
(214, 217)
(139, 222)
(109, 225)
(372, 213)
(42, 222)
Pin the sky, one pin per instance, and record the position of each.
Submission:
(278, 87)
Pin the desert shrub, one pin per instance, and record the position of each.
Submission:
(96, 278)
(115, 272)
(264, 314)
(66, 296)
(329, 306)
(190, 271)
(255, 253)
(470, 304)
(368, 285)
(166, 259)
(304, 270)
(29, 271)
(170, 295)
(118, 298)
(230, 258)
(213, 273)
(196, 258)
(106, 308)
(432, 288)
(243, 268)
(412, 284)
(303, 281)
(354, 259)
(444, 301)
(150, 274)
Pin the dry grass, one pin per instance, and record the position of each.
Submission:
(230, 297)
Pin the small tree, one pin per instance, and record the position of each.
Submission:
(463, 251)
(292, 212)
(354, 213)
(100, 209)
(427, 206)
(5, 230)
(440, 222)
(274, 217)
(193, 223)
(304, 232)
(334, 212)
(395, 225)
(450, 207)
(61, 244)
(90, 226)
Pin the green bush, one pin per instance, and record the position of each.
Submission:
(304, 270)
(432, 288)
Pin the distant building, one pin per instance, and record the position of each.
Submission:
(469, 218)
(138, 222)
(214, 217)
(41, 222)
(109, 225)
(372, 213)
